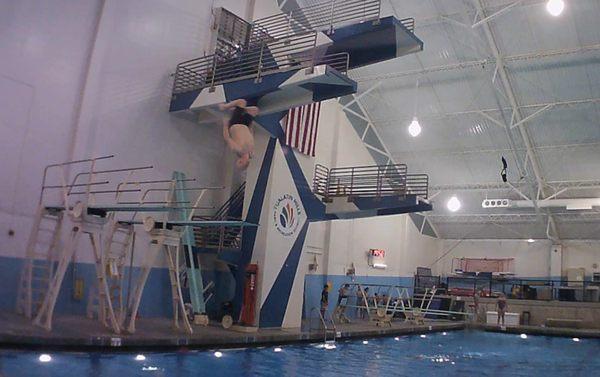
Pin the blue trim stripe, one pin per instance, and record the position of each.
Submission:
(273, 310)
(183, 101)
(272, 123)
(249, 234)
(315, 209)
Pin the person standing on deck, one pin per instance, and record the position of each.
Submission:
(501, 307)
(476, 298)
(324, 300)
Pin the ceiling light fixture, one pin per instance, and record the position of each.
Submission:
(555, 7)
(453, 204)
(414, 129)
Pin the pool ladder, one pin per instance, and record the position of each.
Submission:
(329, 328)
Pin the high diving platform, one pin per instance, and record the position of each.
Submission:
(371, 190)
(290, 59)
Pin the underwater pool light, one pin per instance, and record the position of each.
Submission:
(576, 339)
(140, 358)
(523, 336)
(218, 354)
(44, 358)
(277, 349)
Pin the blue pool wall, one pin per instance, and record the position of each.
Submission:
(156, 299)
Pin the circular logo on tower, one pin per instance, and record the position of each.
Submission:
(286, 214)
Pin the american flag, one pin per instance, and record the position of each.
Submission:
(301, 126)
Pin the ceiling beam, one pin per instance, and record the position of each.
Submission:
(480, 63)
(511, 218)
(498, 13)
(582, 184)
(577, 102)
(460, 152)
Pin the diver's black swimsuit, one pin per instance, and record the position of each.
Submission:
(240, 116)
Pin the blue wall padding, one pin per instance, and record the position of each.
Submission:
(156, 299)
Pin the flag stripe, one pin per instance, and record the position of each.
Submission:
(301, 125)
(305, 123)
(316, 129)
(297, 127)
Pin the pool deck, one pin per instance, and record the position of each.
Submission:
(74, 332)
(539, 330)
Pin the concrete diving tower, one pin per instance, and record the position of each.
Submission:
(289, 60)
(366, 191)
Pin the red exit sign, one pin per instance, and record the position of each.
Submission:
(378, 253)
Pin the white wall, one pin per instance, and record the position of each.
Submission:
(87, 78)
(405, 247)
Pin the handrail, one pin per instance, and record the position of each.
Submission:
(254, 63)
(277, 43)
(408, 23)
(324, 323)
(324, 16)
(223, 236)
(371, 180)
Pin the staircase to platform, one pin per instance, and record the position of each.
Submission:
(225, 241)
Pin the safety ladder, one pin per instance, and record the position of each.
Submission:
(40, 258)
(328, 326)
(117, 251)
(165, 241)
(90, 225)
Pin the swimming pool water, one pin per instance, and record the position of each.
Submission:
(460, 353)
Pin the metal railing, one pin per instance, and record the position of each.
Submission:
(417, 184)
(324, 16)
(368, 181)
(266, 58)
(409, 24)
(217, 237)
(224, 236)
(323, 324)
(232, 29)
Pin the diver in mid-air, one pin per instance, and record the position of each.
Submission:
(238, 132)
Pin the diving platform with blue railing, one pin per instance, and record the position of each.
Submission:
(292, 59)
(374, 190)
